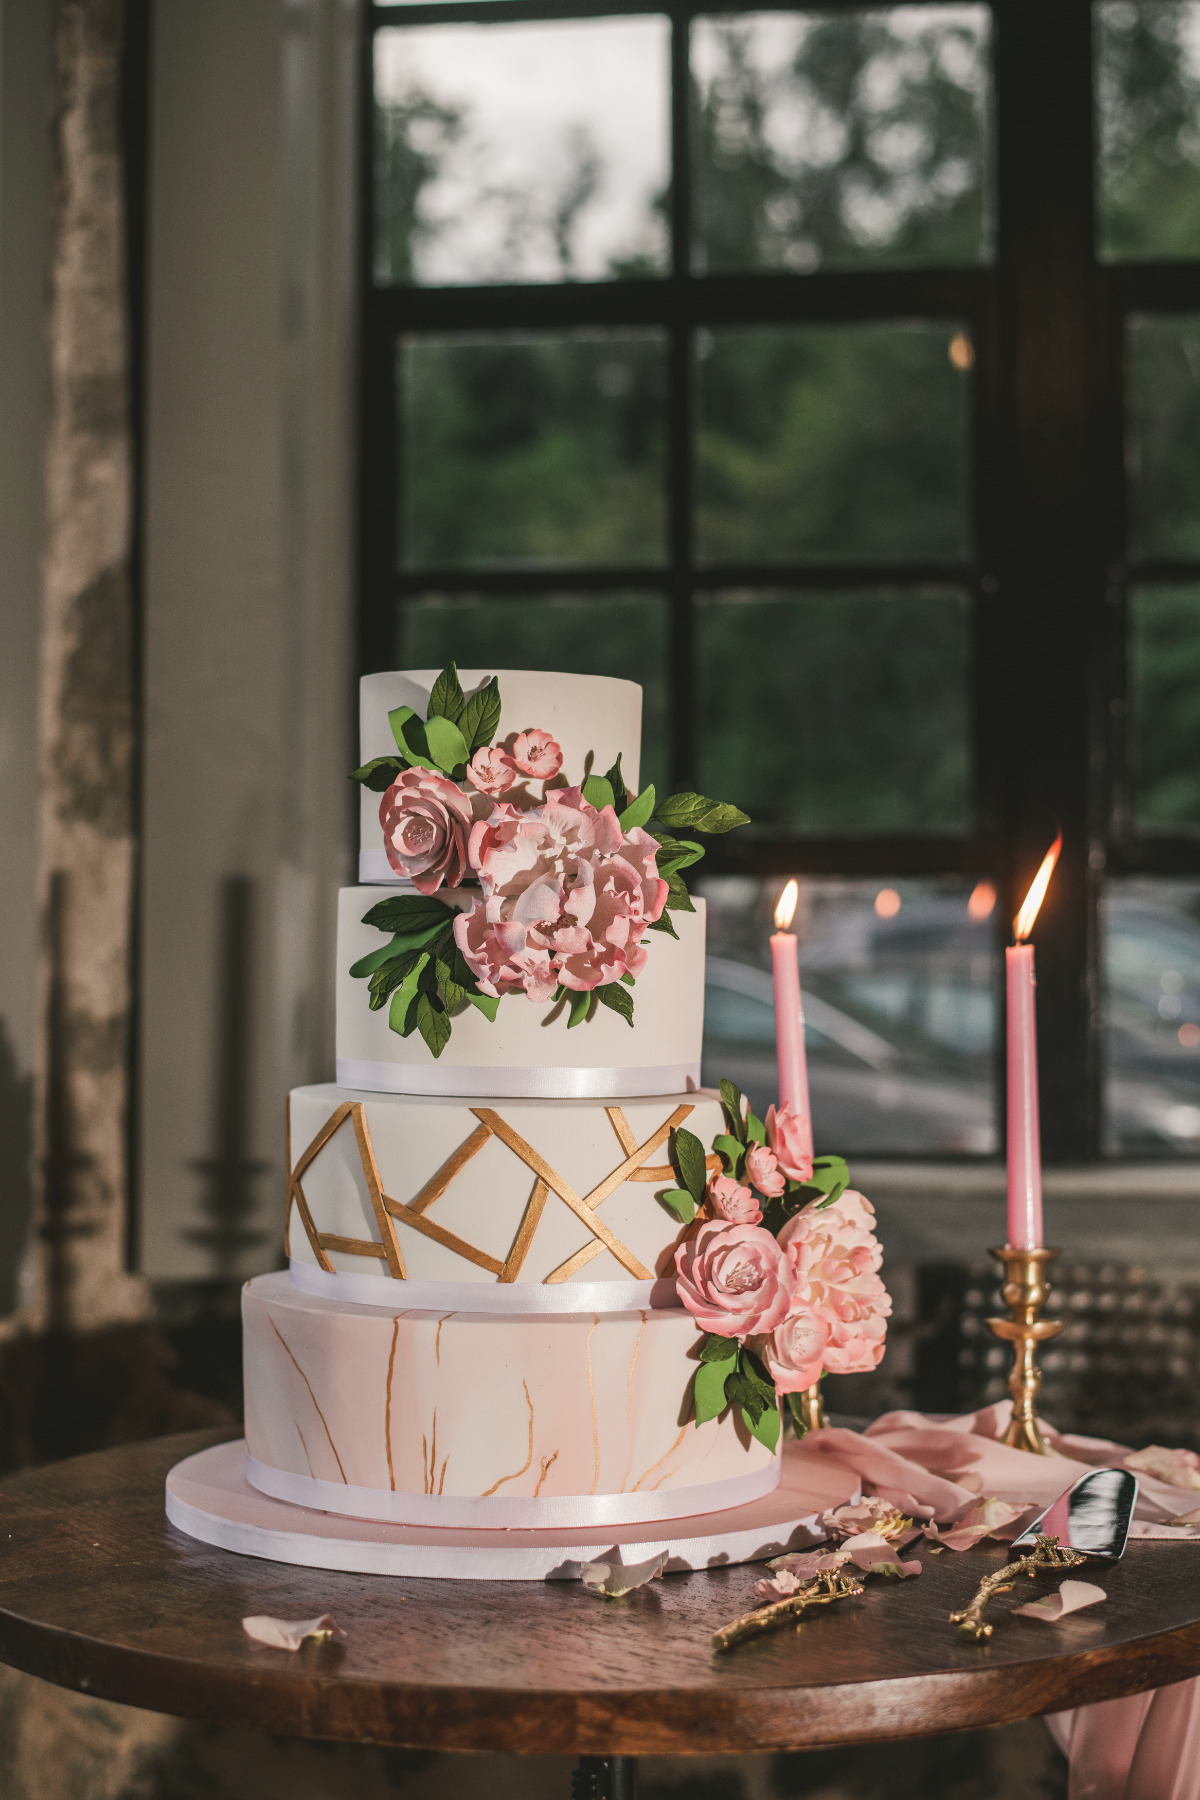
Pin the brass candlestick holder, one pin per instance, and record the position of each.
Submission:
(1025, 1291)
(812, 1408)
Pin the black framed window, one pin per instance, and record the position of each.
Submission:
(833, 371)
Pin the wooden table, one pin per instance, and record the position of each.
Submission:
(99, 1593)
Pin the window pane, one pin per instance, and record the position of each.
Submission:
(832, 440)
(528, 448)
(840, 138)
(830, 712)
(899, 1008)
(522, 152)
(1165, 722)
(584, 634)
(1148, 93)
(1164, 448)
(1152, 977)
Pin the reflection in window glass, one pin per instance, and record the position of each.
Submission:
(1148, 102)
(1164, 447)
(832, 712)
(521, 152)
(1151, 946)
(832, 440)
(840, 138)
(585, 634)
(899, 1000)
(526, 448)
(1165, 655)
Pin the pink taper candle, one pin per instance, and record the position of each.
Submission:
(789, 1016)
(1024, 1133)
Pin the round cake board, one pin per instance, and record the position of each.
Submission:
(209, 1498)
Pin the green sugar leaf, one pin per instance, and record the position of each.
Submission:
(678, 898)
(387, 978)
(765, 1428)
(480, 719)
(718, 1349)
(638, 811)
(432, 1024)
(673, 852)
(408, 912)
(689, 1160)
(405, 997)
(447, 745)
(450, 993)
(709, 1389)
(731, 1100)
(379, 773)
(733, 1153)
(664, 924)
(756, 1131)
(409, 940)
(447, 699)
(409, 733)
(679, 1202)
(487, 1004)
(580, 1007)
(694, 812)
(744, 1394)
(616, 782)
(618, 998)
(598, 792)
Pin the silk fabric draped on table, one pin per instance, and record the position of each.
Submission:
(1145, 1747)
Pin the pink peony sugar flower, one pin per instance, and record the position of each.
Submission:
(492, 771)
(535, 753)
(567, 897)
(795, 1351)
(763, 1169)
(732, 1202)
(789, 1134)
(425, 820)
(734, 1279)
(835, 1256)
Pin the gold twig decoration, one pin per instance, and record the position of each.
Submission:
(822, 1590)
(1048, 1555)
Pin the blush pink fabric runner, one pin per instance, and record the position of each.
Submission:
(1146, 1747)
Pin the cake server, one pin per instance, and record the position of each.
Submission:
(1091, 1520)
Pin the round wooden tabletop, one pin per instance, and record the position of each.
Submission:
(98, 1592)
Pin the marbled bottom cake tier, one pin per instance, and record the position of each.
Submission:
(462, 1419)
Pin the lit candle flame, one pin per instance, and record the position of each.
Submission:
(787, 905)
(1031, 906)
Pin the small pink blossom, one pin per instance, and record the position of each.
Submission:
(835, 1256)
(535, 753)
(425, 820)
(734, 1279)
(789, 1134)
(567, 897)
(732, 1202)
(871, 1513)
(492, 771)
(794, 1352)
(763, 1170)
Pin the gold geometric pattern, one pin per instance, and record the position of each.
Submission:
(389, 1212)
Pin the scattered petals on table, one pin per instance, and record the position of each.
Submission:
(1071, 1597)
(289, 1634)
(987, 1518)
(612, 1579)
(872, 1513)
(1179, 1467)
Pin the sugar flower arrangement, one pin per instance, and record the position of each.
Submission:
(564, 882)
(780, 1266)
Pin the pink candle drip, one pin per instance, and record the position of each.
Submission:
(789, 1030)
(1024, 1136)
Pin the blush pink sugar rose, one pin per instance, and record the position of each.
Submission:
(790, 1137)
(835, 1258)
(794, 1353)
(567, 897)
(535, 753)
(732, 1202)
(764, 1172)
(734, 1279)
(425, 820)
(492, 771)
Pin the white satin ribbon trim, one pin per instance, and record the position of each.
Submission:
(497, 1513)
(495, 1081)
(374, 867)
(522, 1299)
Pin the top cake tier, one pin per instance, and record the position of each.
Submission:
(593, 718)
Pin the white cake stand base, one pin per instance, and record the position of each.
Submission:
(209, 1498)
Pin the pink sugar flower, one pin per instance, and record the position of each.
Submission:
(789, 1134)
(425, 820)
(732, 1202)
(794, 1353)
(835, 1257)
(567, 897)
(492, 771)
(763, 1170)
(734, 1279)
(535, 753)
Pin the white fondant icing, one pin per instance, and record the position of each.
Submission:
(522, 1299)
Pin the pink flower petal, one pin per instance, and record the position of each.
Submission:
(289, 1634)
(1071, 1597)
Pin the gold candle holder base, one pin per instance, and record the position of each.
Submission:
(1025, 1291)
(812, 1408)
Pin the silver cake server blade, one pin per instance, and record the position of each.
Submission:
(1092, 1517)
